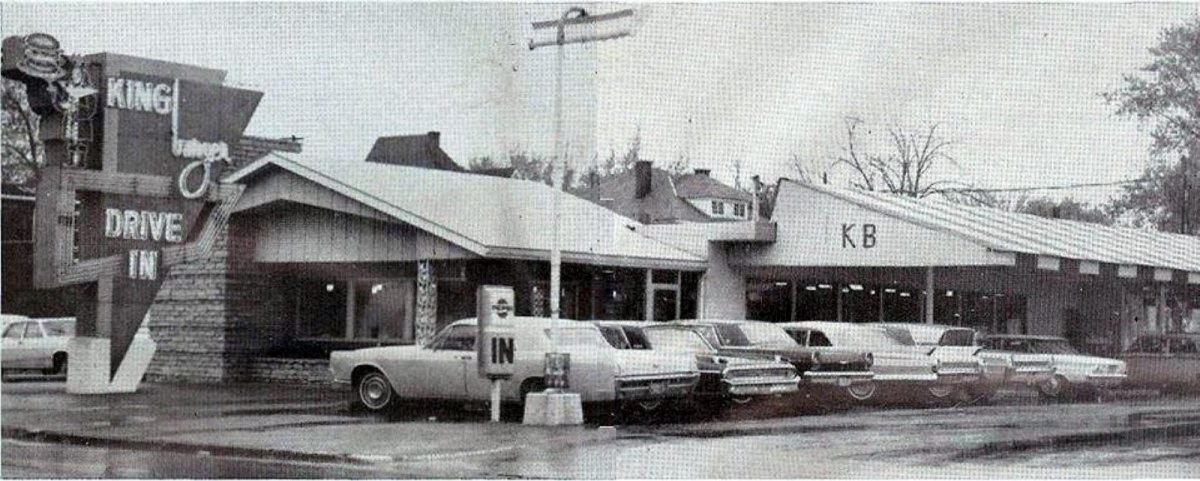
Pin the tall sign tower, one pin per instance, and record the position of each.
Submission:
(134, 148)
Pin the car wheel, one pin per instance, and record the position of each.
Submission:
(741, 399)
(373, 392)
(649, 405)
(532, 385)
(862, 391)
(60, 364)
(940, 391)
(1054, 388)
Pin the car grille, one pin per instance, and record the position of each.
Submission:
(766, 372)
(839, 367)
(673, 381)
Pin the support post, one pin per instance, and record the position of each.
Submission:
(496, 399)
(795, 295)
(929, 295)
(648, 302)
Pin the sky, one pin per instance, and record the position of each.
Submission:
(1015, 86)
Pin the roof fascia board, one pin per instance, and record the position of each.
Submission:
(895, 215)
(599, 259)
(368, 200)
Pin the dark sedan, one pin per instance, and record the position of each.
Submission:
(755, 339)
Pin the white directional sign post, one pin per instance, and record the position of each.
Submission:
(496, 349)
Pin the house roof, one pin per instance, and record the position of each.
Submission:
(1003, 231)
(663, 205)
(413, 150)
(251, 148)
(490, 216)
(702, 186)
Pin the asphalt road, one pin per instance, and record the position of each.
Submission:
(1159, 438)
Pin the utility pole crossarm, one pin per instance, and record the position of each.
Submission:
(583, 19)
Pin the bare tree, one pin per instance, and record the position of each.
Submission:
(906, 170)
(22, 150)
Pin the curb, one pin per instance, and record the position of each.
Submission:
(1092, 437)
(263, 453)
(176, 447)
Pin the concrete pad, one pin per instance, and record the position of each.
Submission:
(553, 409)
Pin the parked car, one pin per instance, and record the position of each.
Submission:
(826, 366)
(445, 369)
(36, 344)
(1078, 376)
(734, 378)
(1171, 361)
(999, 366)
(898, 367)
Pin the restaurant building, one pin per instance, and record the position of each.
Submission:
(326, 254)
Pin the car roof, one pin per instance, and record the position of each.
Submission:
(622, 323)
(828, 325)
(694, 322)
(1025, 336)
(528, 320)
(7, 318)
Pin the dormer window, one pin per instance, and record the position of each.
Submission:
(718, 207)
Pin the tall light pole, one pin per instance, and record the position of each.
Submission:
(572, 17)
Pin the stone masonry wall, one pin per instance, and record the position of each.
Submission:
(187, 321)
(212, 316)
(301, 371)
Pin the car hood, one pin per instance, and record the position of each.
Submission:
(632, 362)
(795, 353)
(1083, 359)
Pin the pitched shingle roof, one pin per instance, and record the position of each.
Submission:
(663, 205)
(414, 151)
(702, 186)
(490, 216)
(1005, 231)
(251, 148)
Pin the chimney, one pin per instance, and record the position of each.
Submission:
(435, 139)
(703, 172)
(642, 172)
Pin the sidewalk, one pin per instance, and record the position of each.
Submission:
(265, 420)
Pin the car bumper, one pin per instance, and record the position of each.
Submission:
(909, 377)
(635, 388)
(958, 376)
(1030, 376)
(750, 387)
(838, 378)
(1106, 380)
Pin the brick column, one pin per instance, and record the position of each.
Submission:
(426, 318)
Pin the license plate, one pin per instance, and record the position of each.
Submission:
(843, 381)
(658, 388)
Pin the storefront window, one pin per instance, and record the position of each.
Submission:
(320, 307)
(384, 309)
(375, 309)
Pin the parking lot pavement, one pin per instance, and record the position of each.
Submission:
(263, 420)
(312, 424)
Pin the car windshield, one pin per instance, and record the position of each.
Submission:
(761, 334)
(580, 337)
(59, 328)
(615, 337)
(677, 340)
(958, 337)
(865, 337)
(1052, 346)
(901, 336)
(728, 335)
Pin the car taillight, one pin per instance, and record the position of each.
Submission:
(816, 357)
(869, 359)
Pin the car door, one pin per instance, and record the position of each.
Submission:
(442, 368)
(14, 357)
(37, 348)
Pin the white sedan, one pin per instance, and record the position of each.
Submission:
(39, 344)
(445, 369)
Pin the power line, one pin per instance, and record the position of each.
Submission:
(1047, 187)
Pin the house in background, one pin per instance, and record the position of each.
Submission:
(651, 196)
